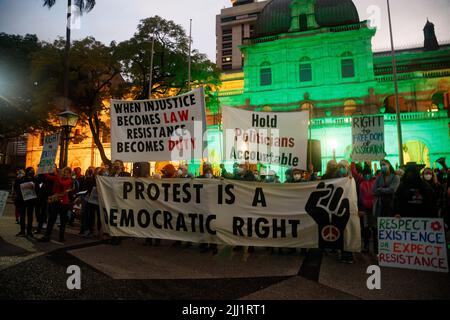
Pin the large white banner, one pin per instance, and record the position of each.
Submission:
(305, 215)
(368, 138)
(272, 138)
(48, 156)
(158, 130)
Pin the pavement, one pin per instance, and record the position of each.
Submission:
(30, 270)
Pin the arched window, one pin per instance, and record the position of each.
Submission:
(265, 74)
(347, 65)
(305, 69)
(440, 101)
(390, 102)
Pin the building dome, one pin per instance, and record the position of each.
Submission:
(276, 16)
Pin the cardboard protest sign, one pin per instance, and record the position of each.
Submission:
(28, 190)
(278, 138)
(158, 130)
(368, 138)
(3, 199)
(48, 156)
(412, 243)
(233, 212)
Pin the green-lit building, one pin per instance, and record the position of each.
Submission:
(317, 55)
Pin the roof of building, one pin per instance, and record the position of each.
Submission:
(276, 16)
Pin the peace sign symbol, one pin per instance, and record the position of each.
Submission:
(330, 233)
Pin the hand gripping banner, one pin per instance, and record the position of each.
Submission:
(304, 215)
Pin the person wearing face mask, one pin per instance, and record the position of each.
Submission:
(343, 169)
(207, 174)
(430, 178)
(365, 207)
(26, 189)
(183, 172)
(242, 173)
(384, 188)
(414, 197)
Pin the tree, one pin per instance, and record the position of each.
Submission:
(170, 69)
(94, 76)
(83, 6)
(18, 114)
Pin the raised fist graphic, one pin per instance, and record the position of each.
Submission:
(331, 212)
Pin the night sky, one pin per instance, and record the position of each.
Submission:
(117, 20)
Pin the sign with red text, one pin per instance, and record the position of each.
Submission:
(270, 138)
(48, 156)
(368, 138)
(158, 130)
(412, 243)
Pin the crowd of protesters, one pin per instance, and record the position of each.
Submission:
(410, 191)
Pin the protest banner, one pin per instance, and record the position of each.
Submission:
(158, 130)
(272, 138)
(412, 243)
(3, 199)
(307, 215)
(48, 156)
(368, 138)
(28, 190)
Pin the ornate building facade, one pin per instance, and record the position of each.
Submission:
(317, 55)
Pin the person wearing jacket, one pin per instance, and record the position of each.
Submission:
(430, 178)
(384, 189)
(365, 207)
(59, 202)
(26, 189)
(45, 190)
(414, 197)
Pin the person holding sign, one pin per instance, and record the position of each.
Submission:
(25, 189)
(59, 202)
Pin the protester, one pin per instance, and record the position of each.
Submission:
(118, 170)
(20, 174)
(343, 169)
(205, 247)
(297, 176)
(168, 172)
(331, 170)
(431, 179)
(59, 202)
(288, 175)
(365, 208)
(25, 189)
(184, 173)
(244, 174)
(414, 197)
(88, 208)
(384, 189)
(44, 191)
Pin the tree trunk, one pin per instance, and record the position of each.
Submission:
(3, 149)
(94, 125)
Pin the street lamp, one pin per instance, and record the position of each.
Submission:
(67, 121)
